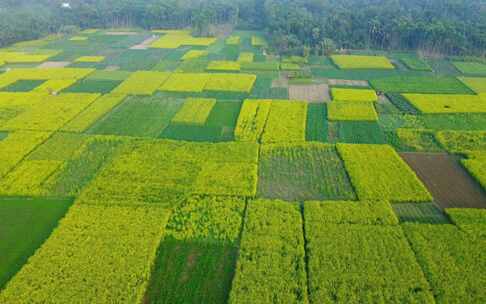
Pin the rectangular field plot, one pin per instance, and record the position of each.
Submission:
(23, 85)
(472, 221)
(447, 103)
(462, 141)
(352, 111)
(142, 83)
(93, 86)
(350, 212)
(303, 172)
(185, 82)
(357, 95)
(378, 173)
(476, 165)
(125, 240)
(317, 124)
(448, 182)
(138, 116)
(361, 62)
(194, 111)
(231, 82)
(192, 272)
(420, 84)
(252, 119)
(362, 263)
(360, 132)
(138, 176)
(25, 223)
(271, 265)
(311, 92)
(413, 140)
(453, 261)
(471, 68)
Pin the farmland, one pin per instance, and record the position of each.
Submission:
(165, 166)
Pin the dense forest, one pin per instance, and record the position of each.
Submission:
(455, 27)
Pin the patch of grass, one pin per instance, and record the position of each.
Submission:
(317, 124)
(303, 172)
(25, 223)
(138, 116)
(192, 272)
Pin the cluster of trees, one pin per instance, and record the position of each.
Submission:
(295, 26)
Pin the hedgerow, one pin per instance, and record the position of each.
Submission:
(271, 264)
(51, 116)
(361, 62)
(207, 218)
(99, 108)
(195, 111)
(252, 120)
(472, 68)
(222, 65)
(142, 83)
(354, 111)
(477, 84)
(348, 212)
(286, 122)
(378, 173)
(194, 54)
(462, 141)
(470, 220)
(28, 177)
(455, 271)
(90, 59)
(186, 82)
(447, 103)
(361, 264)
(125, 241)
(364, 95)
(16, 146)
(231, 82)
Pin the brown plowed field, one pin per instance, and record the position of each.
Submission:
(447, 180)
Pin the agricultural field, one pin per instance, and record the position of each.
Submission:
(164, 166)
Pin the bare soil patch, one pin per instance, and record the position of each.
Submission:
(449, 183)
(112, 68)
(344, 82)
(53, 64)
(281, 82)
(145, 44)
(310, 92)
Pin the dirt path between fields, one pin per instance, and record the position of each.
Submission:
(145, 44)
(449, 183)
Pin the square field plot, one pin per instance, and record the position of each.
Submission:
(194, 111)
(24, 225)
(303, 172)
(138, 116)
(447, 103)
(378, 173)
(361, 62)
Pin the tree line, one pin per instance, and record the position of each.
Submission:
(454, 27)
